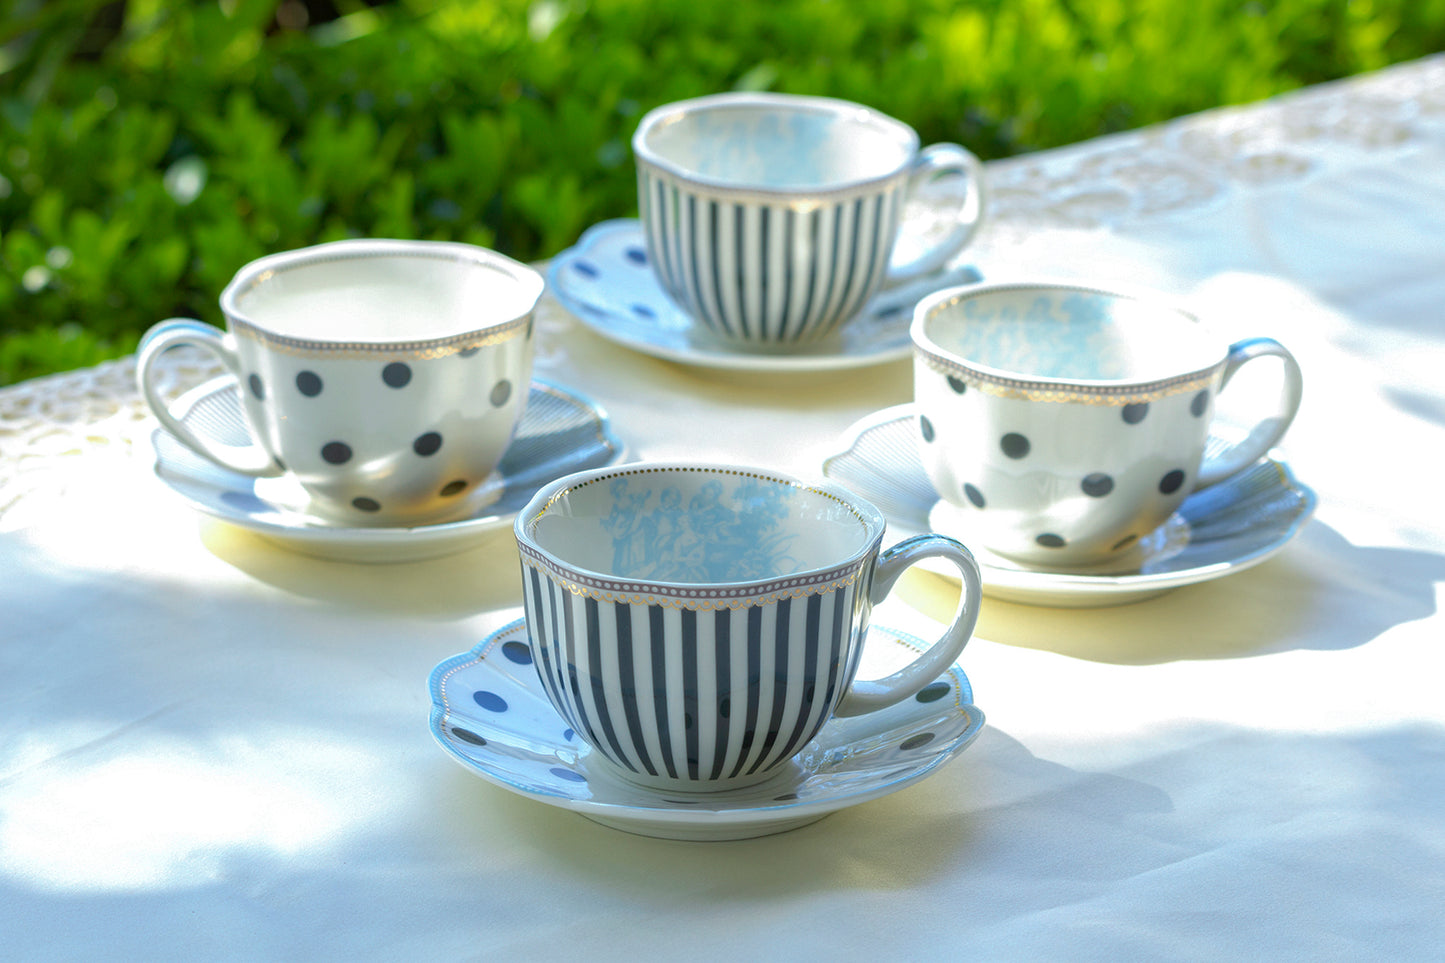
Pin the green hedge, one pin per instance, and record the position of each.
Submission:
(148, 149)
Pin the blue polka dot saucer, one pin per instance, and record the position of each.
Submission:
(561, 432)
(490, 714)
(605, 280)
(1221, 530)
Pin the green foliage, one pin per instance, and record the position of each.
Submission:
(149, 149)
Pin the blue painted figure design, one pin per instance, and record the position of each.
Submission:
(718, 536)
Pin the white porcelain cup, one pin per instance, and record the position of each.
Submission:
(385, 377)
(1061, 423)
(698, 624)
(771, 218)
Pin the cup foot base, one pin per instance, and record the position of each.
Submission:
(784, 774)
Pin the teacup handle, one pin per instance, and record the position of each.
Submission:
(251, 460)
(934, 162)
(868, 695)
(1267, 432)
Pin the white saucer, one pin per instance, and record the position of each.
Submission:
(490, 714)
(560, 432)
(607, 283)
(1219, 531)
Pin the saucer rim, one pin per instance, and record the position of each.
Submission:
(1018, 583)
(325, 533)
(619, 815)
(709, 353)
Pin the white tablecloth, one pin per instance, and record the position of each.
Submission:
(213, 748)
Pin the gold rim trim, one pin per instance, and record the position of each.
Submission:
(692, 470)
(413, 350)
(699, 597)
(1086, 394)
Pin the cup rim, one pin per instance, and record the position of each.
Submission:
(675, 111)
(1007, 383)
(699, 594)
(259, 271)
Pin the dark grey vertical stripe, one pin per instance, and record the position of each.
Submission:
(543, 644)
(754, 682)
(659, 686)
(722, 641)
(805, 317)
(628, 676)
(573, 683)
(691, 702)
(812, 631)
(740, 241)
(842, 622)
(782, 625)
(714, 246)
(845, 291)
(763, 275)
(785, 277)
(699, 305)
(599, 693)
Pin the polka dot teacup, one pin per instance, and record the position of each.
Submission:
(386, 377)
(1062, 424)
(697, 624)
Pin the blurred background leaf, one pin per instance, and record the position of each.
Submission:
(149, 148)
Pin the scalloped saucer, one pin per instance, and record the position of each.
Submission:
(1221, 530)
(490, 714)
(560, 432)
(605, 281)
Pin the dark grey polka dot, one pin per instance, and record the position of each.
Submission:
(489, 700)
(517, 652)
(396, 374)
(427, 444)
(1170, 483)
(501, 392)
(453, 488)
(958, 385)
(308, 383)
(974, 496)
(364, 504)
(1199, 404)
(257, 388)
(469, 352)
(1097, 485)
(916, 742)
(336, 452)
(1133, 414)
(1125, 542)
(925, 428)
(467, 735)
(933, 692)
(1049, 540)
(1014, 445)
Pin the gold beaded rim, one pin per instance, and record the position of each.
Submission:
(699, 596)
(260, 272)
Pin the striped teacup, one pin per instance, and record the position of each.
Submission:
(772, 218)
(696, 625)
